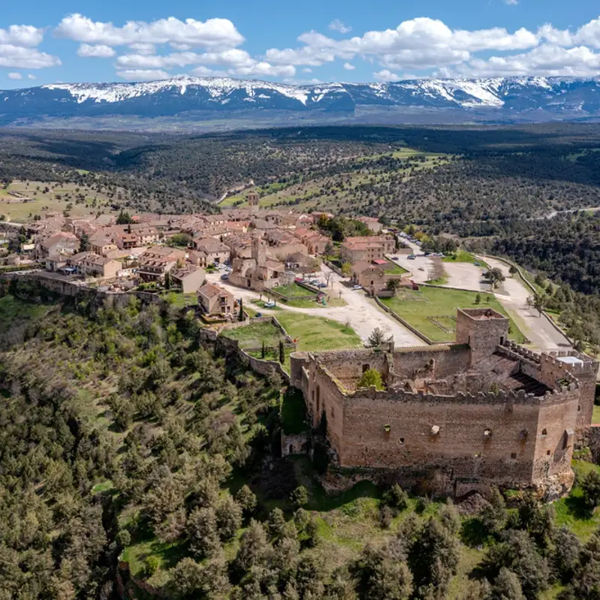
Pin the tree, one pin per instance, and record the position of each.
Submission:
(538, 302)
(276, 523)
(537, 519)
(124, 218)
(433, 559)
(396, 498)
(495, 276)
(518, 553)
(392, 285)
(377, 338)
(246, 499)
(253, 547)
(346, 269)
(371, 377)
(263, 350)
(202, 532)
(565, 557)
(299, 497)
(229, 518)
(513, 270)
(507, 586)
(478, 299)
(281, 352)
(84, 243)
(590, 486)
(494, 514)
(241, 313)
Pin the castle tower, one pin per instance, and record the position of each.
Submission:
(483, 329)
(253, 200)
(259, 252)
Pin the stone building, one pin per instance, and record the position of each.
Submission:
(482, 411)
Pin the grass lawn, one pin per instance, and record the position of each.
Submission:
(253, 335)
(396, 269)
(293, 290)
(460, 256)
(431, 310)
(317, 333)
(596, 415)
(181, 300)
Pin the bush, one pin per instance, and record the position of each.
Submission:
(591, 489)
(396, 498)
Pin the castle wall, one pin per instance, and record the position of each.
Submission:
(447, 361)
(483, 329)
(397, 433)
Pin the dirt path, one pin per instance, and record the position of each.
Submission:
(361, 313)
(513, 296)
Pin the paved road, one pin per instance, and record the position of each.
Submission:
(361, 313)
(513, 296)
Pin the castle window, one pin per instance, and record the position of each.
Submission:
(487, 433)
(579, 408)
(435, 430)
(401, 441)
(387, 428)
(477, 455)
(513, 455)
(547, 452)
(544, 432)
(365, 368)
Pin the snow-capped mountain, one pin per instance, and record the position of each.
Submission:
(500, 98)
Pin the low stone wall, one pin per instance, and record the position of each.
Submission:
(333, 267)
(405, 323)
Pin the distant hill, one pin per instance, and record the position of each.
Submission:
(189, 99)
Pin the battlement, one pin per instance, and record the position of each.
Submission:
(484, 409)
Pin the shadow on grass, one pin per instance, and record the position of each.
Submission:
(577, 507)
(474, 533)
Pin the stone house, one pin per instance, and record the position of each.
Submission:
(91, 264)
(157, 261)
(368, 248)
(102, 244)
(209, 251)
(189, 278)
(215, 300)
(373, 277)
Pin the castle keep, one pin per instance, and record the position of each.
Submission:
(482, 411)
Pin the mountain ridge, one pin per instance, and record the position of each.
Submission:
(502, 97)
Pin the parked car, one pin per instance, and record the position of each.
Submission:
(314, 282)
(269, 304)
(225, 276)
(322, 285)
(411, 257)
(357, 287)
(395, 258)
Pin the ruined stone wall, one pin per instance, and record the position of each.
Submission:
(482, 334)
(447, 360)
(555, 435)
(401, 432)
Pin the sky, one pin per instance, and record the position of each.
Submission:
(290, 41)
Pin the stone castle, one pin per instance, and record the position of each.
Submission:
(482, 411)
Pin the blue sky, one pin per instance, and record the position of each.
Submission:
(295, 42)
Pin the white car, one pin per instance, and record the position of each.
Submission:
(269, 304)
(357, 287)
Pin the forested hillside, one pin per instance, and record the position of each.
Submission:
(125, 439)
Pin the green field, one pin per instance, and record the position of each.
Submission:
(461, 256)
(431, 310)
(317, 333)
(255, 334)
(293, 290)
(44, 199)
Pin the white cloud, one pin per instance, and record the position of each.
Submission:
(203, 71)
(546, 60)
(22, 35)
(349, 67)
(421, 43)
(143, 48)
(307, 70)
(15, 76)
(238, 62)
(337, 25)
(386, 76)
(511, 2)
(31, 76)
(213, 33)
(20, 57)
(99, 51)
(142, 74)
